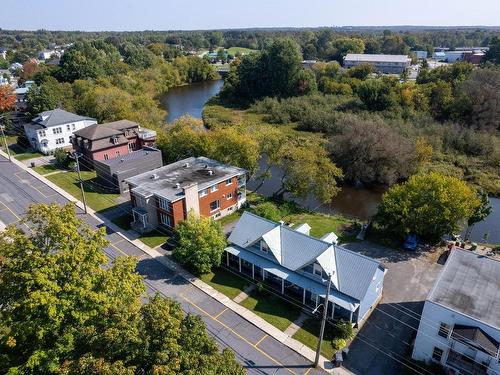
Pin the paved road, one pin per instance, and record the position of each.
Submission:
(257, 352)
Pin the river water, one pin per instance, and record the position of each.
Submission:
(352, 202)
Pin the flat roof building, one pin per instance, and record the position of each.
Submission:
(390, 64)
(460, 323)
(164, 196)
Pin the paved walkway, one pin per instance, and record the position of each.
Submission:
(244, 294)
(248, 315)
(295, 326)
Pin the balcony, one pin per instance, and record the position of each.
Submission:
(146, 134)
(465, 364)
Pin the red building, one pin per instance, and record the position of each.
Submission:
(164, 196)
(111, 140)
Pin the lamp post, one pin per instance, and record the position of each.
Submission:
(76, 156)
(5, 141)
(323, 321)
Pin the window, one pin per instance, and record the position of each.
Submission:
(67, 127)
(318, 271)
(214, 188)
(437, 354)
(164, 204)
(117, 152)
(41, 133)
(215, 205)
(59, 141)
(229, 196)
(444, 330)
(263, 246)
(57, 130)
(106, 156)
(203, 192)
(229, 181)
(217, 215)
(165, 219)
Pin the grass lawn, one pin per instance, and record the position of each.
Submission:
(27, 155)
(272, 309)
(225, 282)
(234, 50)
(154, 238)
(322, 224)
(21, 153)
(308, 335)
(123, 221)
(230, 218)
(46, 168)
(98, 199)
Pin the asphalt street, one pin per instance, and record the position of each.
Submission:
(256, 351)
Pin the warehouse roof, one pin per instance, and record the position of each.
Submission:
(365, 57)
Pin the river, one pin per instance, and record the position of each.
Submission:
(352, 202)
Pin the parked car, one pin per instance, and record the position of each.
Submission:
(411, 242)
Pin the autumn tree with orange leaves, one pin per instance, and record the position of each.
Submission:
(7, 98)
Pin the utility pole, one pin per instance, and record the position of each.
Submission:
(76, 156)
(5, 141)
(323, 321)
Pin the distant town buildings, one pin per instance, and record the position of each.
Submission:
(50, 130)
(163, 197)
(389, 64)
(421, 55)
(460, 323)
(111, 140)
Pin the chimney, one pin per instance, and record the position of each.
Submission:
(191, 198)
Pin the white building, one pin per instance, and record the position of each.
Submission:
(390, 64)
(460, 323)
(52, 129)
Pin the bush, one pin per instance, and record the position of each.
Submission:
(61, 158)
(267, 210)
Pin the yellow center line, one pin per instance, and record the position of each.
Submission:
(119, 250)
(219, 314)
(262, 339)
(117, 242)
(238, 335)
(13, 213)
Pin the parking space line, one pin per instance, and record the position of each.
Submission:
(262, 339)
(237, 334)
(219, 314)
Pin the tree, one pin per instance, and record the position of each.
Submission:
(67, 309)
(429, 205)
(493, 54)
(371, 152)
(200, 243)
(7, 98)
(377, 94)
(61, 157)
(343, 46)
(482, 211)
(49, 95)
(267, 210)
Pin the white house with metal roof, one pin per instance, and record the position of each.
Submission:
(394, 64)
(460, 323)
(298, 266)
(50, 130)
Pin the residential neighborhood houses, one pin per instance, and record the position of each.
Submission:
(298, 266)
(460, 324)
(163, 197)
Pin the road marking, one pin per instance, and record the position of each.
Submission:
(307, 372)
(219, 314)
(119, 250)
(237, 334)
(117, 242)
(27, 182)
(12, 212)
(262, 339)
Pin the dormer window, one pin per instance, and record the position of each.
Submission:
(317, 270)
(264, 247)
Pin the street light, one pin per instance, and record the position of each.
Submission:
(323, 320)
(76, 156)
(5, 141)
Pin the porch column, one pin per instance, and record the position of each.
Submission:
(303, 296)
(282, 286)
(253, 271)
(350, 317)
(333, 309)
(227, 258)
(263, 274)
(317, 297)
(239, 264)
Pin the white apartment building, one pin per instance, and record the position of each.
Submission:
(460, 323)
(52, 129)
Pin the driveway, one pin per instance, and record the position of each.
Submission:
(383, 345)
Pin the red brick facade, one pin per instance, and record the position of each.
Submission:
(221, 194)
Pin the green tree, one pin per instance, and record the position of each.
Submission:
(377, 94)
(200, 243)
(66, 309)
(480, 213)
(343, 46)
(493, 54)
(49, 95)
(267, 210)
(429, 205)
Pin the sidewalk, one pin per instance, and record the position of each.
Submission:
(248, 315)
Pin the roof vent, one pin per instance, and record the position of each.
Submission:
(205, 166)
(177, 185)
(186, 165)
(282, 222)
(154, 176)
(122, 160)
(210, 172)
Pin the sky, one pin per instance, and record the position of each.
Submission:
(120, 15)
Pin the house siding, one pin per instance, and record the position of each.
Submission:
(372, 295)
(221, 195)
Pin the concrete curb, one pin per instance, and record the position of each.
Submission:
(248, 315)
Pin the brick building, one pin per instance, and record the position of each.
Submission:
(164, 196)
(111, 140)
